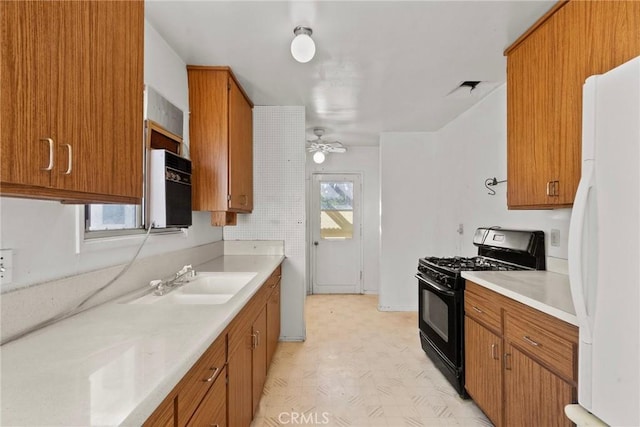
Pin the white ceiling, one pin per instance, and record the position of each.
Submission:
(379, 65)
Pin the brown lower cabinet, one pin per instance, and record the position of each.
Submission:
(225, 385)
(484, 368)
(521, 364)
(535, 395)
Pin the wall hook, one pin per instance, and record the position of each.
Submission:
(490, 182)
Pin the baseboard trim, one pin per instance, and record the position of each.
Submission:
(292, 339)
(397, 308)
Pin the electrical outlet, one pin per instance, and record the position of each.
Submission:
(555, 237)
(6, 266)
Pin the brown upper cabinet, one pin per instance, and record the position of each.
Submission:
(546, 69)
(72, 90)
(221, 134)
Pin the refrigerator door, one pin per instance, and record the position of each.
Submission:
(615, 334)
(583, 243)
(583, 263)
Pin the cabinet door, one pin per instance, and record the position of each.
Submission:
(240, 150)
(611, 30)
(483, 371)
(259, 357)
(100, 106)
(533, 395)
(71, 110)
(273, 323)
(532, 137)
(116, 97)
(571, 72)
(28, 47)
(208, 132)
(213, 409)
(240, 385)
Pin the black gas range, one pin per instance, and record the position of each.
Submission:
(441, 291)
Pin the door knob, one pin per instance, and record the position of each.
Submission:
(315, 243)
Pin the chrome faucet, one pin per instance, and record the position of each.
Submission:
(180, 278)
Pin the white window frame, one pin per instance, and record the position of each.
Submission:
(116, 239)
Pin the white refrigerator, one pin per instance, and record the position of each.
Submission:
(604, 254)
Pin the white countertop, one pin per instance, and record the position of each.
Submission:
(114, 364)
(543, 290)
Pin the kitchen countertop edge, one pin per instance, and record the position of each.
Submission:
(530, 295)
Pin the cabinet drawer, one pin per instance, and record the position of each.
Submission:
(213, 409)
(555, 352)
(273, 280)
(483, 310)
(200, 378)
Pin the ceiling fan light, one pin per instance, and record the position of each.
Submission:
(318, 157)
(302, 47)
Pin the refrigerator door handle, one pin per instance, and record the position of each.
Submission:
(575, 249)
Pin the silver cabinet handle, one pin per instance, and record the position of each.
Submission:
(477, 309)
(69, 159)
(530, 341)
(493, 352)
(215, 372)
(258, 336)
(254, 341)
(51, 144)
(548, 187)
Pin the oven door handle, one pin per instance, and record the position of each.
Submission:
(434, 286)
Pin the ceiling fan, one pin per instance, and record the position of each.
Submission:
(320, 148)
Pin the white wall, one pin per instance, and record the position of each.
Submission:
(364, 160)
(279, 204)
(42, 234)
(408, 216)
(432, 182)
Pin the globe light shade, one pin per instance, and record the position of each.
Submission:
(318, 157)
(302, 47)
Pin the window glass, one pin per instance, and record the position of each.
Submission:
(336, 210)
(112, 217)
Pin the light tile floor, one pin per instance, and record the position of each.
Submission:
(359, 367)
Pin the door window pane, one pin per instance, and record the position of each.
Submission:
(336, 210)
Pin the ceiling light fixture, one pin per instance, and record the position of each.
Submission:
(318, 157)
(302, 47)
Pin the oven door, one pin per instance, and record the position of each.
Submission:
(440, 321)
